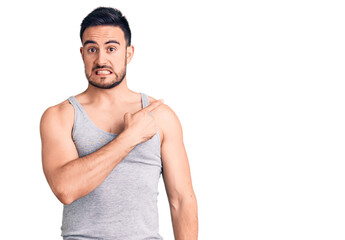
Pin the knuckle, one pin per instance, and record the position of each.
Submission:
(146, 111)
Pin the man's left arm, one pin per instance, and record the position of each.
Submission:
(177, 177)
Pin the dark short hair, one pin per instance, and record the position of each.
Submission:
(106, 16)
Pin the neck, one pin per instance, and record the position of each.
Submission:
(114, 95)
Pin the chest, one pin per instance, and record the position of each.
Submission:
(110, 120)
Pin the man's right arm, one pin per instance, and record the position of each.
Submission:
(71, 177)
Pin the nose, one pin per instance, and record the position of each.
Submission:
(101, 58)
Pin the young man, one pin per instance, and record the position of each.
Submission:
(103, 150)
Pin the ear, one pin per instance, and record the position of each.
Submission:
(130, 53)
(81, 52)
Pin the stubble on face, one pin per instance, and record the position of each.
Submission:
(117, 78)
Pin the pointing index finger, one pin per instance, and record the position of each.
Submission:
(153, 105)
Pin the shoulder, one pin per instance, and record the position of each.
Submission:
(163, 111)
(166, 119)
(60, 115)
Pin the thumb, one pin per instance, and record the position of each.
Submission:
(127, 116)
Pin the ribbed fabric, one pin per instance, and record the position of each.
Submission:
(124, 206)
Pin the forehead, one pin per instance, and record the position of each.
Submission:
(101, 34)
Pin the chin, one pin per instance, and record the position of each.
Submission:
(105, 86)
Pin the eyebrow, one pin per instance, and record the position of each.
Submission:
(89, 42)
(93, 42)
(112, 41)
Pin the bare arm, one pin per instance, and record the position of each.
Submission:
(177, 178)
(71, 177)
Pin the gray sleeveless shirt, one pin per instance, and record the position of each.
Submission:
(124, 206)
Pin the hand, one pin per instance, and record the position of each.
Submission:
(141, 126)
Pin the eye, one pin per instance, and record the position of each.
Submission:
(111, 49)
(92, 50)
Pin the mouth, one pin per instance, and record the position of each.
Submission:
(103, 72)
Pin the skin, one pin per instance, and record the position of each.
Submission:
(71, 177)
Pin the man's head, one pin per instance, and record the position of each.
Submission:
(103, 16)
(106, 50)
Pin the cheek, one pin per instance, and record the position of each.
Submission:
(120, 58)
(88, 65)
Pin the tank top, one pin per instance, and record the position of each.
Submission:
(124, 205)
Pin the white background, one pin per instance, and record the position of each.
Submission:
(259, 89)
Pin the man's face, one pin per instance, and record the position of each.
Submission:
(105, 55)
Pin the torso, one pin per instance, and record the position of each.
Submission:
(127, 198)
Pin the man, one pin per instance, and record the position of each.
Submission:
(103, 150)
